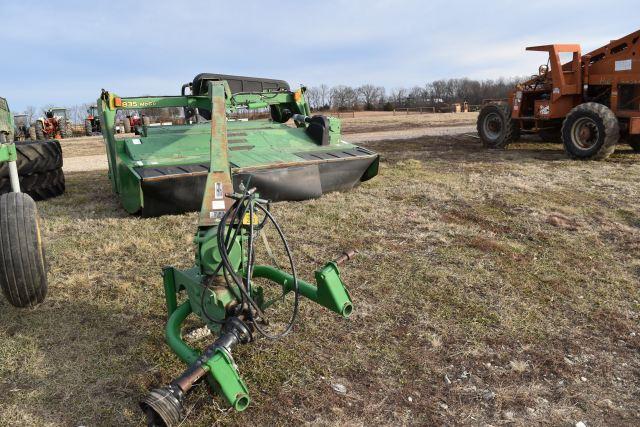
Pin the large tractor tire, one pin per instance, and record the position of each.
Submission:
(88, 128)
(127, 125)
(40, 186)
(39, 128)
(35, 157)
(32, 132)
(590, 131)
(495, 126)
(66, 131)
(23, 273)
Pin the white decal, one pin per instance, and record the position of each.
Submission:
(136, 141)
(623, 65)
(216, 214)
(544, 110)
(217, 205)
(219, 191)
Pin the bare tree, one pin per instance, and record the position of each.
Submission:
(371, 95)
(30, 111)
(325, 92)
(314, 98)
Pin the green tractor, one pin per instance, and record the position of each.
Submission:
(288, 156)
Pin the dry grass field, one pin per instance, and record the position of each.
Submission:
(492, 287)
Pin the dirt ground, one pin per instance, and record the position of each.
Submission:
(491, 288)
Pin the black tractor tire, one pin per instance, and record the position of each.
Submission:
(603, 132)
(495, 126)
(88, 128)
(23, 273)
(127, 125)
(39, 128)
(65, 129)
(32, 132)
(551, 135)
(35, 157)
(634, 142)
(40, 186)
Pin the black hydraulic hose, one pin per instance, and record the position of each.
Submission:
(206, 284)
(226, 238)
(296, 289)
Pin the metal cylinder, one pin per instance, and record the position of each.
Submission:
(13, 177)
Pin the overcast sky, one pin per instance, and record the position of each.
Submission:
(64, 52)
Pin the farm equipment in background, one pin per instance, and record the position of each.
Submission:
(134, 123)
(92, 122)
(55, 124)
(23, 275)
(226, 288)
(163, 170)
(23, 131)
(588, 104)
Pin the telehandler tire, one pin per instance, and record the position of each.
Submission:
(23, 273)
(35, 157)
(495, 126)
(88, 129)
(32, 132)
(590, 131)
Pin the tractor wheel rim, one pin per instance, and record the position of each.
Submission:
(585, 133)
(492, 125)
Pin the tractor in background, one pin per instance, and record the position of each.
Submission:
(55, 124)
(588, 104)
(23, 131)
(92, 122)
(134, 121)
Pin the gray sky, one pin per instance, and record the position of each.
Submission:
(64, 52)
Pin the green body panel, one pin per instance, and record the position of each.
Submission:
(251, 145)
(8, 153)
(263, 143)
(6, 120)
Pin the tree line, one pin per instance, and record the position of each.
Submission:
(364, 97)
(432, 94)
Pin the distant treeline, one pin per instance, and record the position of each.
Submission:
(433, 94)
